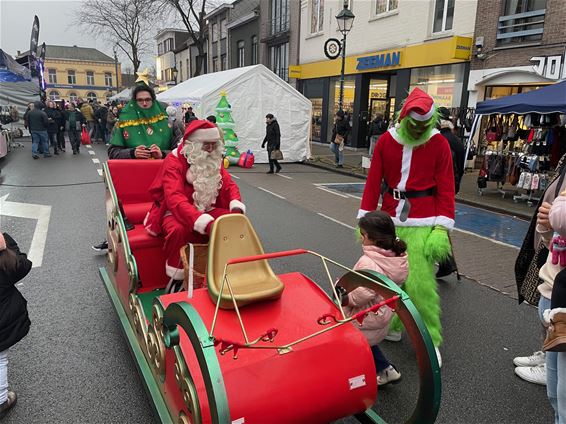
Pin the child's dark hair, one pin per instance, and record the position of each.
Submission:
(379, 228)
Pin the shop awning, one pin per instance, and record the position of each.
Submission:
(548, 99)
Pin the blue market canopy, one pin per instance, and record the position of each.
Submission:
(548, 99)
(12, 71)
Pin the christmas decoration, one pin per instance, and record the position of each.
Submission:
(226, 163)
(226, 124)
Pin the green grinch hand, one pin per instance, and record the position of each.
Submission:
(437, 245)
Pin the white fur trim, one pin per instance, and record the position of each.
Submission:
(405, 169)
(398, 139)
(236, 204)
(201, 223)
(189, 176)
(415, 222)
(424, 117)
(446, 222)
(203, 134)
(174, 273)
(361, 213)
(147, 228)
(549, 314)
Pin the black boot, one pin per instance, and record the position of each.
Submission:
(447, 267)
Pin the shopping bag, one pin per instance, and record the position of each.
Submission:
(85, 137)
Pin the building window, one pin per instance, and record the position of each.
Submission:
(188, 67)
(241, 54)
(214, 32)
(279, 60)
(73, 97)
(160, 49)
(52, 76)
(180, 77)
(108, 79)
(91, 96)
(89, 78)
(522, 21)
(54, 95)
(223, 30)
(71, 77)
(214, 64)
(254, 50)
(168, 45)
(223, 63)
(317, 16)
(384, 6)
(279, 21)
(443, 15)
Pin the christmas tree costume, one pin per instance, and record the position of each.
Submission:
(226, 124)
(419, 196)
(137, 126)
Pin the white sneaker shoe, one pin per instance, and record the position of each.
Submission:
(537, 358)
(388, 375)
(536, 375)
(393, 336)
(438, 357)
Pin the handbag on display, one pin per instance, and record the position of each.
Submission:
(276, 155)
(85, 137)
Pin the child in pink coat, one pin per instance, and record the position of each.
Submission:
(385, 253)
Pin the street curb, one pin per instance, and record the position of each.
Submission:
(342, 171)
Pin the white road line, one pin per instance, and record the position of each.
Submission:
(336, 221)
(95, 160)
(284, 176)
(99, 171)
(235, 176)
(91, 152)
(486, 238)
(88, 146)
(333, 184)
(333, 192)
(270, 192)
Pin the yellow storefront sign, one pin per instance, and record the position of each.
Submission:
(295, 71)
(451, 50)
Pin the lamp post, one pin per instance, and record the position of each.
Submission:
(116, 68)
(175, 73)
(345, 20)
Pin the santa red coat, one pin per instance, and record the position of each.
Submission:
(409, 168)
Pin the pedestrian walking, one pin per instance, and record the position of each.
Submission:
(376, 129)
(53, 117)
(111, 119)
(273, 141)
(14, 320)
(385, 253)
(75, 123)
(38, 122)
(176, 125)
(101, 115)
(88, 112)
(61, 125)
(339, 137)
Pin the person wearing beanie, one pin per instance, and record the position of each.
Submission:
(413, 162)
(14, 319)
(190, 191)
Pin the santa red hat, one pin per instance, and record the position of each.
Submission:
(2, 242)
(418, 105)
(201, 130)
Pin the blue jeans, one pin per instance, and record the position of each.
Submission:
(555, 374)
(339, 154)
(379, 358)
(38, 137)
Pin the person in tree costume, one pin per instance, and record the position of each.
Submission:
(142, 130)
(414, 163)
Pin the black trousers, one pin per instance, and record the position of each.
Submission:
(273, 164)
(75, 139)
(61, 139)
(53, 141)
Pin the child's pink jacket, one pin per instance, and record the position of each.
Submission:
(375, 326)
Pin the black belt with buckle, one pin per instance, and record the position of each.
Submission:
(398, 194)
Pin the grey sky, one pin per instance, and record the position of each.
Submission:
(57, 26)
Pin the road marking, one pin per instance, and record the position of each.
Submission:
(234, 176)
(94, 160)
(91, 152)
(333, 192)
(270, 192)
(336, 221)
(30, 211)
(88, 146)
(99, 171)
(486, 238)
(284, 176)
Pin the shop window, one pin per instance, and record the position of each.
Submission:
(317, 16)
(495, 92)
(348, 100)
(443, 15)
(444, 83)
(254, 50)
(108, 79)
(241, 54)
(214, 64)
(522, 21)
(89, 78)
(73, 97)
(71, 77)
(377, 102)
(54, 95)
(52, 73)
(314, 91)
(91, 96)
(384, 6)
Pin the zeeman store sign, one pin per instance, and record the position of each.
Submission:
(379, 61)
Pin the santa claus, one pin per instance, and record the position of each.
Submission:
(413, 164)
(191, 190)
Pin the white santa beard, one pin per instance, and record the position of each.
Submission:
(205, 173)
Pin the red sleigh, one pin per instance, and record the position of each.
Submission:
(253, 346)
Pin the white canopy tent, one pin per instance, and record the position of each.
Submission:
(125, 94)
(253, 92)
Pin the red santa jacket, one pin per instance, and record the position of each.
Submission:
(172, 193)
(408, 168)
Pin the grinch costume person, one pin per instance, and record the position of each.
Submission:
(142, 122)
(414, 162)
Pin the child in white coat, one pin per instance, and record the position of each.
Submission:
(385, 253)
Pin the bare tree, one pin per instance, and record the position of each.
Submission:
(126, 23)
(192, 13)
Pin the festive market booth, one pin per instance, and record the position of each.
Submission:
(240, 98)
(124, 95)
(16, 88)
(522, 137)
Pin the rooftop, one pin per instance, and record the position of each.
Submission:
(73, 53)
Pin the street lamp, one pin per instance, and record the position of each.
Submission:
(345, 20)
(175, 73)
(116, 68)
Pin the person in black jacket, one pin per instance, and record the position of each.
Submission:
(340, 132)
(75, 121)
(14, 320)
(376, 129)
(53, 117)
(273, 141)
(61, 125)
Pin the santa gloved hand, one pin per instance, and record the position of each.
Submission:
(208, 228)
(237, 210)
(437, 245)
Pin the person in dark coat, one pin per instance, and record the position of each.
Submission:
(38, 122)
(53, 117)
(273, 141)
(61, 125)
(376, 129)
(75, 123)
(341, 128)
(14, 319)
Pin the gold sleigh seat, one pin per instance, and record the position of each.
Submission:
(234, 237)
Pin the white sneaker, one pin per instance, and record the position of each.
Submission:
(536, 375)
(393, 336)
(438, 357)
(537, 358)
(388, 375)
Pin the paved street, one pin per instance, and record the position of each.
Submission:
(75, 366)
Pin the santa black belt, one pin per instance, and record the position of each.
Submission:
(406, 195)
